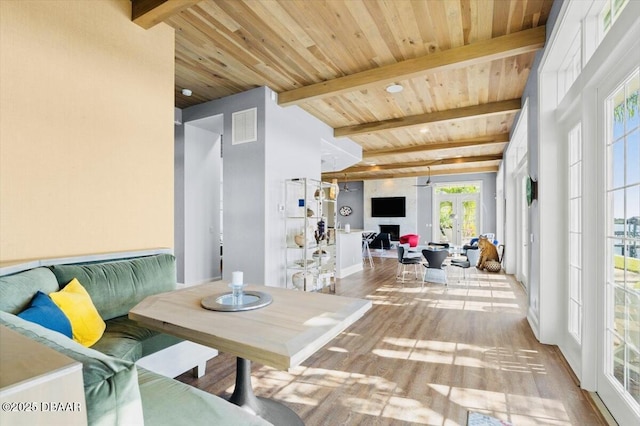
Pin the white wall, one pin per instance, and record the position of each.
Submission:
(293, 151)
(244, 185)
(392, 188)
(254, 174)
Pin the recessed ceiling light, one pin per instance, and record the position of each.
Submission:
(424, 130)
(187, 92)
(372, 164)
(394, 88)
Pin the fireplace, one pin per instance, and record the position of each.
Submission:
(392, 230)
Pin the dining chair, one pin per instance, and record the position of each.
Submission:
(473, 254)
(434, 271)
(403, 261)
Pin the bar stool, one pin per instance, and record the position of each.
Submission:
(366, 252)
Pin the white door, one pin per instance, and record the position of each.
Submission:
(457, 213)
(619, 360)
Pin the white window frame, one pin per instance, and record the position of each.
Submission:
(574, 231)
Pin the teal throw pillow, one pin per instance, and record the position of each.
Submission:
(43, 311)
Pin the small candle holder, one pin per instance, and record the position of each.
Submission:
(236, 287)
(237, 294)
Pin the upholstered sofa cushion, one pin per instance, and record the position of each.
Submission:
(126, 339)
(86, 324)
(110, 384)
(17, 290)
(116, 287)
(169, 402)
(42, 310)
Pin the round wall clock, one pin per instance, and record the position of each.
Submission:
(345, 210)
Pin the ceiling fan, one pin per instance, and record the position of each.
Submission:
(428, 182)
(346, 188)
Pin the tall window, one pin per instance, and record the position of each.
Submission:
(575, 233)
(610, 13)
(623, 237)
(571, 66)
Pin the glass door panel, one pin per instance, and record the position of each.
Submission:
(621, 363)
(446, 221)
(469, 220)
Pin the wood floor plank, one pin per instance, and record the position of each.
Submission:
(424, 356)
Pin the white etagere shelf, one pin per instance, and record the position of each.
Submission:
(310, 235)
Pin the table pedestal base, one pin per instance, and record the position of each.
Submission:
(268, 409)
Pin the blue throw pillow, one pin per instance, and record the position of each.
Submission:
(43, 311)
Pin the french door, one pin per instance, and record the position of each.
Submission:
(457, 213)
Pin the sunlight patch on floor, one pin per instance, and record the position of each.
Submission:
(461, 354)
(384, 399)
(471, 305)
(372, 405)
(411, 410)
(521, 410)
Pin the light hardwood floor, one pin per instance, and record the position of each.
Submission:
(424, 356)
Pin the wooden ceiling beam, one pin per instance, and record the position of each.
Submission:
(482, 140)
(482, 51)
(148, 13)
(394, 175)
(426, 163)
(473, 111)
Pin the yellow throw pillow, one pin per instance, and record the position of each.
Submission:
(87, 326)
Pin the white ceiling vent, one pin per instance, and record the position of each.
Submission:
(245, 126)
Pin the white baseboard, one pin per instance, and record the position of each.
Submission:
(349, 270)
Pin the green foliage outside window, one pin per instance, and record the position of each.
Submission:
(632, 108)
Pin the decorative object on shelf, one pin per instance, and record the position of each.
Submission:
(311, 227)
(299, 239)
(334, 189)
(303, 280)
(321, 254)
(347, 228)
(345, 211)
(320, 232)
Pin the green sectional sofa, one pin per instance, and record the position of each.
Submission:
(116, 391)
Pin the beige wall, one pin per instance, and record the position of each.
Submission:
(86, 130)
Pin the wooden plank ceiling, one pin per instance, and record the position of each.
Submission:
(463, 65)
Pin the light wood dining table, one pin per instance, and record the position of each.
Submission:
(281, 335)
